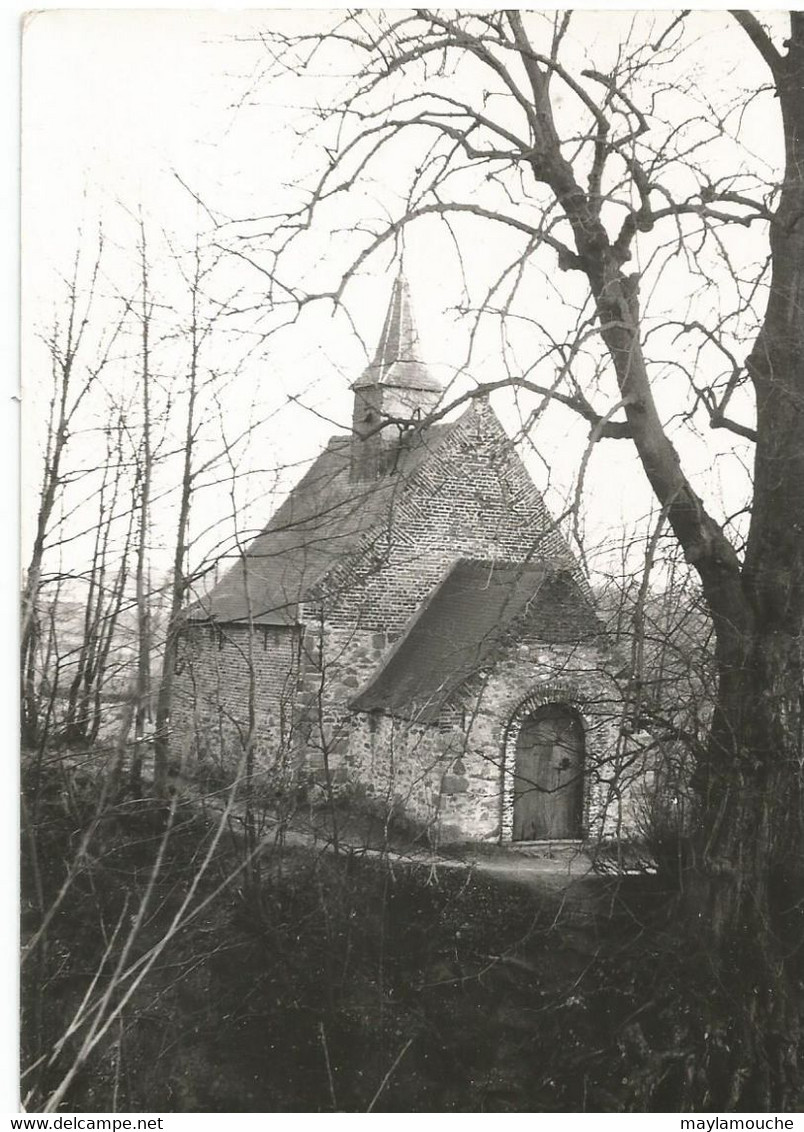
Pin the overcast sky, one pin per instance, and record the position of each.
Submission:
(118, 105)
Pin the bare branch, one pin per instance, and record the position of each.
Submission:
(760, 39)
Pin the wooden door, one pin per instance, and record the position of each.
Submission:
(548, 776)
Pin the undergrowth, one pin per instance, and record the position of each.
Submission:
(320, 982)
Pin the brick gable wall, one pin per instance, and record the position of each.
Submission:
(474, 498)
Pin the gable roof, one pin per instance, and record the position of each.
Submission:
(466, 617)
(324, 518)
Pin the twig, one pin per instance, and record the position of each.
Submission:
(324, 1046)
(389, 1074)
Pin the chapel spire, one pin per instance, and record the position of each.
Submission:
(397, 361)
(396, 387)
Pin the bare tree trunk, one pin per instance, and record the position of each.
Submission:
(179, 581)
(142, 712)
(75, 724)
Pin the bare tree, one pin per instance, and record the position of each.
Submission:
(145, 459)
(203, 320)
(510, 123)
(105, 592)
(77, 362)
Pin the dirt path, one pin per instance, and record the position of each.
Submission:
(552, 874)
(564, 871)
(537, 872)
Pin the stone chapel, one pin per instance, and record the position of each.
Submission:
(411, 620)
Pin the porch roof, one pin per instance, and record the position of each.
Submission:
(465, 618)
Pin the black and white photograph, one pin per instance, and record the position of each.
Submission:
(411, 632)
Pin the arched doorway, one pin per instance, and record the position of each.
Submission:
(548, 775)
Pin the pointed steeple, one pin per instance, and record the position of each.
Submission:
(395, 387)
(397, 361)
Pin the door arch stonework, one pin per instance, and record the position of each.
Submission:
(559, 702)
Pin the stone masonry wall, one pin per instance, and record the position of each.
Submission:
(212, 691)
(458, 776)
(533, 674)
(402, 765)
(339, 659)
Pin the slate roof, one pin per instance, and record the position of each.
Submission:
(327, 514)
(466, 617)
(397, 362)
(324, 518)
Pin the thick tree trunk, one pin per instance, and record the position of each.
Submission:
(748, 881)
(744, 891)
